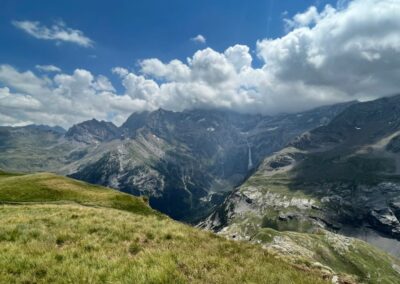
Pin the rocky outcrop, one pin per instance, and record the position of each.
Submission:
(384, 220)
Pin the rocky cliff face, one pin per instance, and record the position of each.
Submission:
(344, 174)
(186, 162)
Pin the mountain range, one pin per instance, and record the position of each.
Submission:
(185, 162)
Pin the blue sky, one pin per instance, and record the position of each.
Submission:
(65, 61)
(126, 31)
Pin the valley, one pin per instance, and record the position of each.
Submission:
(306, 188)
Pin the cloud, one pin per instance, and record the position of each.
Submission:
(311, 16)
(211, 67)
(24, 82)
(352, 52)
(63, 100)
(58, 32)
(328, 56)
(199, 39)
(17, 101)
(47, 68)
(239, 56)
(175, 70)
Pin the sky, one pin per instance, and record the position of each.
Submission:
(62, 62)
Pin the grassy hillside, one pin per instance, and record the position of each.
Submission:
(50, 188)
(58, 230)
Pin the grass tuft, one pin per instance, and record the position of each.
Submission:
(134, 248)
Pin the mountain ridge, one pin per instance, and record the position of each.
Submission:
(186, 162)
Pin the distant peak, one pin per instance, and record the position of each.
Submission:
(93, 130)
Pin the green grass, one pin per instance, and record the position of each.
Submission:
(58, 230)
(7, 174)
(46, 187)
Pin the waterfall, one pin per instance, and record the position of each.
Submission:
(250, 165)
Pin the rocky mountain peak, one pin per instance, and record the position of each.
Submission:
(135, 121)
(92, 131)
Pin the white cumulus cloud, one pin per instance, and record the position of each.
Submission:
(353, 52)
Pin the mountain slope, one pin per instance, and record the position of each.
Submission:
(57, 230)
(342, 177)
(185, 162)
(93, 131)
(351, 165)
(32, 148)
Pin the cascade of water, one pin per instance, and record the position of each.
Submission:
(250, 165)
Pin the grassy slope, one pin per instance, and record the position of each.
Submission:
(45, 187)
(58, 230)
